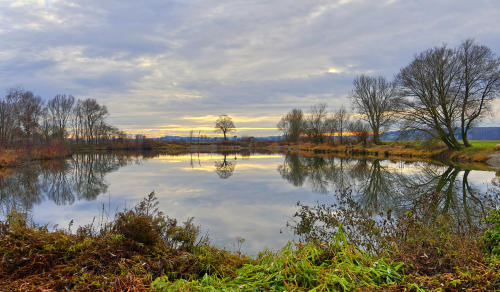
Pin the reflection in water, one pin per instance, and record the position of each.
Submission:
(370, 187)
(225, 168)
(61, 181)
(257, 204)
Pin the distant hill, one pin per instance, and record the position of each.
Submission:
(477, 133)
(205, 139)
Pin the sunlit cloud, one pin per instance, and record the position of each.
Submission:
(156, 63)
(235, 118)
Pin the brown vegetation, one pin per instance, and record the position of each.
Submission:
(126, 254)
(400, 150)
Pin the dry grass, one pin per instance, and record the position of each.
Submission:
(405, 150)
(8, 157)
(124, 255)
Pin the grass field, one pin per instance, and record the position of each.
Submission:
(485, 143)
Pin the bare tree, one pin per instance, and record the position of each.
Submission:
(191, 134)
(77, 122)
(26, 109)
(480, 82)
(316, 122)
(224, 124)
(20, 114)
(92, 115)
(292, 125)
(376, 100)
(46, 126)
(360, 130)
(8, 122)
(342, 118)
(431, 94)
(60, 108)
(332, 127)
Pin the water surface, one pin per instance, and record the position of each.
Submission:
(231, 196)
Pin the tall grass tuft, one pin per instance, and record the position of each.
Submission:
(333, 266)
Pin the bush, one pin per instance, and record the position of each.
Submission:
(491, 237)
(124, 255)
(146, 225)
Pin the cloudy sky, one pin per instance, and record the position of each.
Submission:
(166, 67)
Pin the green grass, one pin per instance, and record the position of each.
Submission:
(484, 143)
(336, 266)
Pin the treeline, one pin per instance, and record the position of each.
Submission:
(320, 126)
(442, 93)
(25, 119)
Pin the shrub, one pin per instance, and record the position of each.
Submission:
(491, 237)
(146, 225)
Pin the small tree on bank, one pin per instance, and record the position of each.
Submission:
(376, 100)
(341, 117)
(315, 123)
(292, 125)
(224, 124)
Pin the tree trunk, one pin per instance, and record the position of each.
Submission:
(464, 138)
(376, 137)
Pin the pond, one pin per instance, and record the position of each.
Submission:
(266, 199)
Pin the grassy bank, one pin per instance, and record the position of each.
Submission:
(15, 157)
(11, 157)
(404, 150)
(143, 249)
(407, 150)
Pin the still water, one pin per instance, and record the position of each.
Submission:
(232, 196)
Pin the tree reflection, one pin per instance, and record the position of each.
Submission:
(20, 189)
(60, 181)
(374, 185)
(446, 191)
(379, 191)
(319, 174)
(224, 168)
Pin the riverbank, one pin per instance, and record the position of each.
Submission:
(483, 154)
(143, 249)
(481, 151)
(17, 157)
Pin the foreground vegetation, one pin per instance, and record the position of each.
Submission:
(142, 249)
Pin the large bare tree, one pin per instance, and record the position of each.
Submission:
(292, 125)
(224, 124)
(480, 82)
(375, 99)
(431, 94)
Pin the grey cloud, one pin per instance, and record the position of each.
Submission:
(153, 62)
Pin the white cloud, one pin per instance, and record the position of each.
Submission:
(153, 63)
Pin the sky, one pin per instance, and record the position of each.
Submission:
(168, 67)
